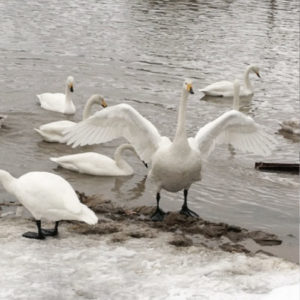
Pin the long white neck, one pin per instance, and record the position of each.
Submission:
(88, 107)
(247, 80)
(7, 181)
(121, 163)
(180, 130)
(236, 95)
(68, 95)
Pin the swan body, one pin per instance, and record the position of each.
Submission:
(97, 164)
(176, 164)
(225, 88)
(57, 101)
(47, 196)
(53, 132)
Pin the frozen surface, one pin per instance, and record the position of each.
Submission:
(76, 266)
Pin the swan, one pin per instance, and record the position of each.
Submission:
(59, 102)
(53, 132)
(225, 88)
(176, 164)
(47, 196)
(97, 164)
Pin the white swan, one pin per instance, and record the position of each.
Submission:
(48, 196)
(97, 164)
(174, 165)
(59, 102)
(53, 132)
(225, 88)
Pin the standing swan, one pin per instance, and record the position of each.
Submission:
(225, 88)
(174, 165)
(59, 102)
(53, 132)
(48, 196)
(97, 164)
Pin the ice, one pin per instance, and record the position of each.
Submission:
(75, 266)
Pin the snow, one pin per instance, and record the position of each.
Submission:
(75, 266)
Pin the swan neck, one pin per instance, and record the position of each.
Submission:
(236, 97)
(121, 163)
(88, 107)
(7, 181)
(68, 95)
(180, 130)
(247, 79)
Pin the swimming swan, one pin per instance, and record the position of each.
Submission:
(97, 164)
(174, 165)
(225, 88)
(48, 196)
(53, 132)
(59, 102)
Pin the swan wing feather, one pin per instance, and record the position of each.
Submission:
(233, 127)
(113, 122)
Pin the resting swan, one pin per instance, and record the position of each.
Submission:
(225, 88)
(176, 164)
(59, 102)
(48, 196)
(97, 164)
(53, 132)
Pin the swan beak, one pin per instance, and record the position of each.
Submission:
(103, 103)
(145, 164)
(258, 74)
(71, 88)
(190, 89)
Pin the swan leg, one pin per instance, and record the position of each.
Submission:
(33, 235)
(185, 210)
(51, 232)
(159, 213)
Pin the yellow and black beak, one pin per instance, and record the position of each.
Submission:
(257, 74)
(190, 89)
(103, 103)
(71, 88)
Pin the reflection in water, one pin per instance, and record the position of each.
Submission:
(131, 194)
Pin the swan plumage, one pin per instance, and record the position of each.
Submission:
(53, 132)
(97, 164)
(59, 102)
(225, 88)
(176, 164)
(47, 196)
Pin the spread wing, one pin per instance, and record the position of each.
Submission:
(113, 122)
(237, 129)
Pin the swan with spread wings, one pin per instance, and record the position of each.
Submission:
(176, 164)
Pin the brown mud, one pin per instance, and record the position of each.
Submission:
(123, 223)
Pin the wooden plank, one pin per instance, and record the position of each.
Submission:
(278, 167)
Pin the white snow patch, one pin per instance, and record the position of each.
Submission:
(75, 266)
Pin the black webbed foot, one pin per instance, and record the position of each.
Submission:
(158, 215)
(187, 212)
(33, 235)
(49, 232)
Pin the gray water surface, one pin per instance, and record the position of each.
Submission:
(138, 52)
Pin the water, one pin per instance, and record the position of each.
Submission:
(138, 52)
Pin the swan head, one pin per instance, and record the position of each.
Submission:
(99, 99)
(70, 82)
(188, 86)
(255, 70)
